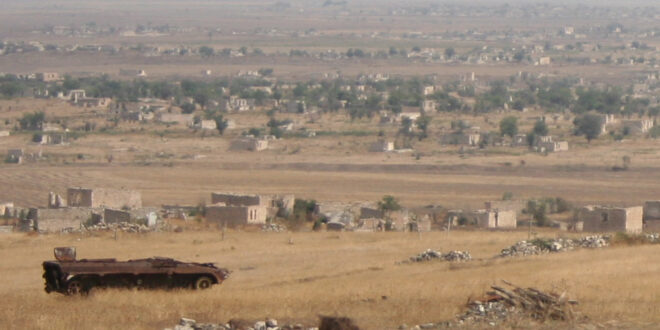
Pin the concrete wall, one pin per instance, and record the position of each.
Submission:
(423, 225)
(250, 144)
(370, 225)
(652, 225)
(236, 215)
(484, 219)
(495, 219)
(207, 124)
(400, 219)
(180, 118)
(116, 216)
(276, 205)
(56, 220)
(465, 139)
(611, 219)
(4, 207)
(368, 212)
(109, 198)
(554, 146)
(79, 197)
(381, 146)
(651, 210)
(236, 199)
(505, 219)
(638, 126)
(507, 205)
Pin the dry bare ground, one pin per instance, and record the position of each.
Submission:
(351, 274)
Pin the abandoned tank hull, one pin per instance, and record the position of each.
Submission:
(69, 276)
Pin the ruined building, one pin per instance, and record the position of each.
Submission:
(596, 218)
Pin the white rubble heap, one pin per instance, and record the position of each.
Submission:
(127, 227)
(273, 227)
(545, 245)
(449, 256)
(268, 324)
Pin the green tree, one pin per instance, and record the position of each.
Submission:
(265, 71)
(449, 53)
(202, 98)
(392, 51)
(540, 128)
(206, 51)
(519, 56)
(406, 125)
(187, 108)
(509, 126)
(32, 121)
(220, 123)
(558, 95)
(299, 90)
(373, 102)
(531, 138)
(389, 203)
(10, 89)
(539, 215)
(423, 125)
(590, 125)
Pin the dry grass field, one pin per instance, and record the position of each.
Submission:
(352, 274)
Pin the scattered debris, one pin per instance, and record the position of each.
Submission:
(449, 256)
(652, 237)
(545, 245)
(121, 226)
(126, 227)
(457, 256)
(273, 227)
(234, 324)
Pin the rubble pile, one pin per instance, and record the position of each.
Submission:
(457, 256)
(268, 324)
(652, 237)
(502, 303)
(505, 304)
(545, 245)
(596, 241)
(449, 256)
(522, 248)
(426, 256)
(121, 226)
(273, 227)
(127, 227)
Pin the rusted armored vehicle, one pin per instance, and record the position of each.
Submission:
(70, 276)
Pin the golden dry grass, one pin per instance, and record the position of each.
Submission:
(323, 273)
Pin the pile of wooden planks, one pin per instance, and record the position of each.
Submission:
(539, 305)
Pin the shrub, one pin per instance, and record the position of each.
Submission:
(563, 205)
(32, 121)
(389, 203)
(628, 239)
(304, 210)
